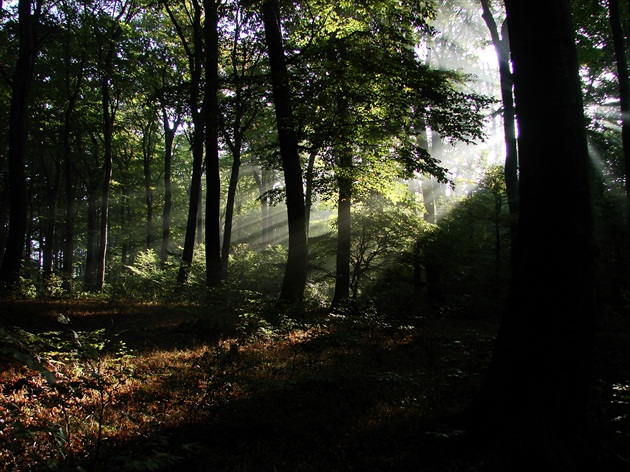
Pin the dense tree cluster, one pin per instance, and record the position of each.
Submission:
(120, 109)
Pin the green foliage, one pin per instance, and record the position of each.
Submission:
(145, 280)
(257, 271)
(381, 230)
(470, 247)
(54, 287)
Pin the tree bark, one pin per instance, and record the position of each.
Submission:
(108, 122)
(308, 201)
(231, 199)
(91, 265)
(194, 55)
(344, 210)
(18, 129)
(147, 159)
(214, 268)
(535, 394)
(619, 44)
(502, 47)
(49, 229)
(169, 137)
(294, 281)
(71, 95)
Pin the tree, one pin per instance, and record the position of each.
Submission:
(620, 47)
(18, 133)
(364, 90)
(187, 21)
(501, 44)
(535, 395)
(294, 281)
(211, 110)
(241, 106)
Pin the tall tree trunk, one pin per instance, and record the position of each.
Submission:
(71, 95)
(108, 125)
(294, 281)
(624, 92)
(193, 204)
(195, 67)
(18, 130)
(147, 158)
(432, 262)
(126, 250)
(502, 47)
(91, 264)
(214, 267)
(308, 200)
(231, 199)
(344, 210)
(107, 178)
(535, 394)
(169, 137)
(49, 231)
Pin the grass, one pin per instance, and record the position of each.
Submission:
(162, 387)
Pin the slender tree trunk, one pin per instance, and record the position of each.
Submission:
(194, 205)
(342, 272)
(18, 130)
(535, 395)
(147, 159)
(50, 222)
(169, 137)
(108, 125)
(200, 225)
(231, 199)
(294, 281)
(502, 47)
(91, 265)
(214, 267)
(71, 95)
(432, 262)
(107, 178)
(308, 204)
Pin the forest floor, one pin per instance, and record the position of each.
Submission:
(155, 387)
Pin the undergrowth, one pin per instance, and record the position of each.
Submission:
(238, 384)
(78, 399)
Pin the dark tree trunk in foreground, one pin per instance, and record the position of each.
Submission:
(21, 84)
(535, 396)
(295, 273)
(624, 91)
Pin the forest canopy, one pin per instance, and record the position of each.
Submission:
(121, 127)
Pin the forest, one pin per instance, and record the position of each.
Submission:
(262, 235)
